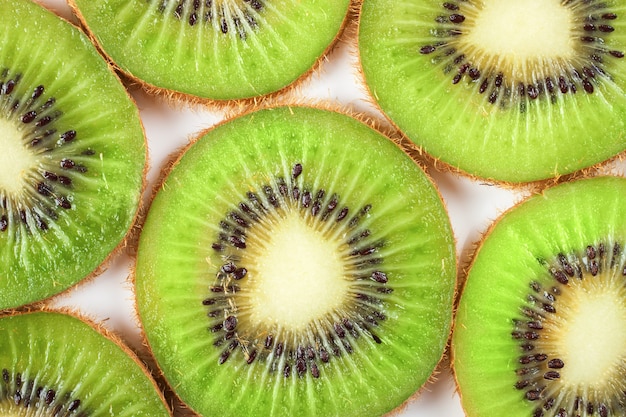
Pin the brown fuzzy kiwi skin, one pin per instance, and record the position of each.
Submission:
(103, 331)
(181, 409)
(132, 234)
(177, 98)
(444, 167)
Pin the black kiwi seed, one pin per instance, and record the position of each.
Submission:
(296, 171)
(230, 323)
(302, 357)
(228, 268)
(239, 273)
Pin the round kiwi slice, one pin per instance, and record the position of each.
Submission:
(504, 90)
(214, 49)
(72, 152)
(296, 262)
(56, 364)
(540, 329)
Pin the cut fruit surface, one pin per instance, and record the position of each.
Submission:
(54, 364)
(296, 262)
(215, 49)
(503, 90)
(72, 152)
(541, 324)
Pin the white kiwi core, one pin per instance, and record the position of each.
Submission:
(519, 36)
(590, 332)
(15, 159)
(9, 409)
(296, 274)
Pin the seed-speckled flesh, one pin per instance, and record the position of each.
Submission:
(72, 151)
(541, 323)
(294, 258)
(215, 49)
(500, 89)
(54, 364)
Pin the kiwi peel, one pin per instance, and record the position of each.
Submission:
(54, 363)
(473, 86)
(539, 329)
(73, 156)
(214, 50)
(275, 202)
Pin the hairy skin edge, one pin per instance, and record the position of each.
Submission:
(132, 234)
(103, 331)
(177, 98)
(418, 153)
(470, 257)
(177, 404)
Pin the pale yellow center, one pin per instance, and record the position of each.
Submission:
(23, 412)
(296, 276)
(591, 337)
(15, 159)
(11, 410)
(519, 35)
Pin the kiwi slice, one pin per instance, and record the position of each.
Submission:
(214, 49)
(56, 364)
(541, 324)
(503, 90)
(296, 262)
(72, 152)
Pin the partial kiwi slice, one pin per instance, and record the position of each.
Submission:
(56, 364)
(512, 91)
(541, 324)
(296, 262)
(72, 152)
(214, 49)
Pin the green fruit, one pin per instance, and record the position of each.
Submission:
(296, 262)
(503, 90)
(55, 364)
(214, 49)
(541, 324)
(72, 153)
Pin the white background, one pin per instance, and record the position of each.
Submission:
(472, 206)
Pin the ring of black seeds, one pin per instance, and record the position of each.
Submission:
(240, 17)
(595, 25)
(35, 116)
(305, 355)
(26, 393)
(538, 370)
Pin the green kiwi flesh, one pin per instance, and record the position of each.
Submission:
(296, 262)
(500, 89)
(541, 323)
(55, 364)
(72, 152)
(214, 49)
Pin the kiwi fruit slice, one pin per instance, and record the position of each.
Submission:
(214, 49)
(72, 152)
(507, 91)
(296, 262)
(540, 329)
(57, 364)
